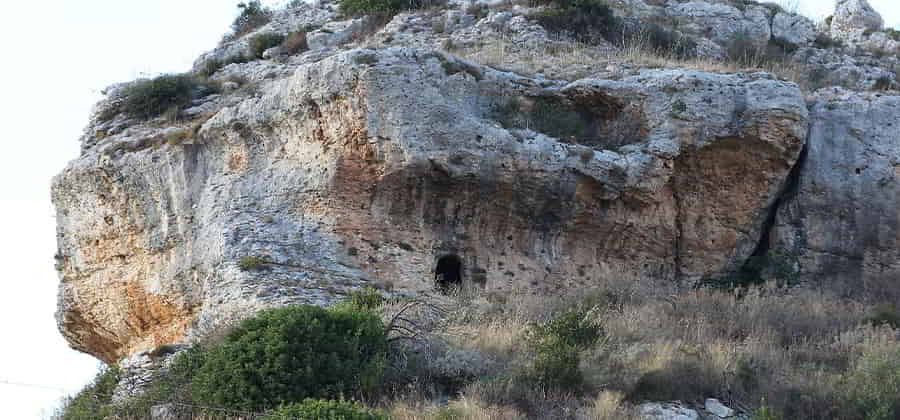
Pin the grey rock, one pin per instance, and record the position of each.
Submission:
(794, 29)
(842, 222)
(404, 156)
(666, 411)
(853, 19)
(718, 409)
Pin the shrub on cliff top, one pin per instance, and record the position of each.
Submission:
(150, 98)
(289, 354)
(252, 16)
(587, 20)
(262, 42)
(382, 7)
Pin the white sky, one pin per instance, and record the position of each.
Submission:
(57, 56)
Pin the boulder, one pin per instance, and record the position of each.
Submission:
(666, 411)
(716, 408)
(841, 220)
(794, 29)
(854, 19)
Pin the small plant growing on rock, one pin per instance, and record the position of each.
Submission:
(262, 42)
(381, 7)
(150, 98)
(253, 263)
(587, 20)
(253, 15)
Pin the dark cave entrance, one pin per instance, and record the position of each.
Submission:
(448, 273)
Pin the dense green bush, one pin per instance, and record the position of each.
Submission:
(289, 354)
(262, 42)
(557, 346)
(253, 15)
(587, 20)
(873, 385)
(149, 98)
(93, 402)
(311, 409)
(381, 7)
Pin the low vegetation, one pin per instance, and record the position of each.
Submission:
(165, 94)
(291, 354)
(252, 16)
(94, 401)
(262, 42)
(325, 410)
(382, 7)
(777, 352)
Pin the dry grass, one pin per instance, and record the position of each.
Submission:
(798, 350)
(566, 59)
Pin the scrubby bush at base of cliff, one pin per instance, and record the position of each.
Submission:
(289, 354)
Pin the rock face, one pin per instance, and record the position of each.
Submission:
(368, 167)
(373, 159)
(854, 18)
(842, 220)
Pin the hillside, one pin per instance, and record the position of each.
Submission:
(550, 209)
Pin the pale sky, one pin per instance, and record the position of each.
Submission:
(58, 55)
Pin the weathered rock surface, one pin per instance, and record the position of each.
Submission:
(853, 19)
(367, 159)
(368, 166)
(842, 220)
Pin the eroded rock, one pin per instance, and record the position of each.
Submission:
(842, 222)
(367, 166)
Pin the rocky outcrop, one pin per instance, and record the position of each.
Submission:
(367, 167)
(841, 222)
(854, 19)
(375, 159)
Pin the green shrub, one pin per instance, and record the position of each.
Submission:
(289, 354)
(557, 346)
(262, 42)
(587, 20)
(253, 15)
(380, 7)
(150, 98)
(311, 409)
(885, 314)
(252, 263)
(663, 41)
(873, 385)
(93, 402)
(365, 299)
(765, 413)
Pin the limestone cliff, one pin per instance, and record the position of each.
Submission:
(379, 164)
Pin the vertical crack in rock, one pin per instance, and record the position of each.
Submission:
(789, 190)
